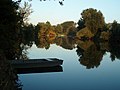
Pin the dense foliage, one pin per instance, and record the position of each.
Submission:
(93, 19)
(16, 34)
(10, 22)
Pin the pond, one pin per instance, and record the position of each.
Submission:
(86, 66)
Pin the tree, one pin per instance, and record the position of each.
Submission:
(59, 29)
(66, 26)
(93, 19)
(115, 32)
(81, 24)
(44, 29)
(12, 18)
(10, 21)
(25, 11)
(114, 40)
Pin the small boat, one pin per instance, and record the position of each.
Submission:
(35, 63)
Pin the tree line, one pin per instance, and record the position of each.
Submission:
(15, 30)
(17, 35)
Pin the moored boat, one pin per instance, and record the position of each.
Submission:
(34, 63)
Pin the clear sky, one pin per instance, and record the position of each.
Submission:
(55, 13)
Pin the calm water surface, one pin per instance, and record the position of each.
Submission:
(74, 76)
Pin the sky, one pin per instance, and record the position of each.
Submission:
(53, 12)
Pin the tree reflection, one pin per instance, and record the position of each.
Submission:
(90, 55)
(17, 37)
(115, 51)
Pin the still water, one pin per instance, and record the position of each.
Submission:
(103, 74)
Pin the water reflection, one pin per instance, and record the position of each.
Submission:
(90, 53)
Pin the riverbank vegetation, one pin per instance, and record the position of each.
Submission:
(17, 34)
(91, 35)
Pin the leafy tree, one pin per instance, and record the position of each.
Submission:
(81, 24)
(59, 29)
(25, 11)
(93, 19)
(9, 27)
(72, 32)
(66, 26)
(84, 34)
(45, 31)
(115, 32)
(114, 40)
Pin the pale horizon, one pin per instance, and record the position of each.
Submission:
(53, 12)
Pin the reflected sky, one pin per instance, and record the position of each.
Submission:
(74, 76)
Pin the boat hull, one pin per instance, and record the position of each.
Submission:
(34, 63)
